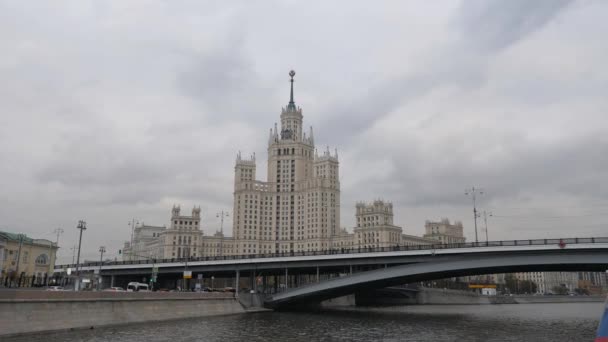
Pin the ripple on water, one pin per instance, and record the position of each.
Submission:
(529, 322)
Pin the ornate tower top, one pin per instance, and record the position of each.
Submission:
(291, 105)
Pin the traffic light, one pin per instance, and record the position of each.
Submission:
(120, 251)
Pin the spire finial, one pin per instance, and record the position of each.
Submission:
(291, 104)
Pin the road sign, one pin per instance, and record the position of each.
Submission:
(187, 274)
(199, 276)
(155, 269)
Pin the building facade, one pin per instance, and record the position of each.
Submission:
(444, 232)
(23, 256)
(147, 243)
(297, 208)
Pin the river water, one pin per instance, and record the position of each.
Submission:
(515, 322)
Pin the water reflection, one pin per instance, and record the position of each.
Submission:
(529, 322)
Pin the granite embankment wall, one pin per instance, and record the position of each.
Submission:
(37, 311)
(558, 299)
(426, 296)
(432, 296)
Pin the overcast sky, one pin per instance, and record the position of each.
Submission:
(112, 110)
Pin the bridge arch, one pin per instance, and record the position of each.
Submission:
(561, 260)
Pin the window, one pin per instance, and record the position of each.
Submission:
(42, 259)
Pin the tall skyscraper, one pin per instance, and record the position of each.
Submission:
(298, 207)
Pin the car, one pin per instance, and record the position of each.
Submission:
(137, 287)
(114, 289)
(55, 288)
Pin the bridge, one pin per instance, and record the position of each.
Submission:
(294, 278)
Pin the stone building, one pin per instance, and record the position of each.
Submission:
(217, 245)
(147, 243)
(596, 283)
(375, 226)
(444, 232)
(22, 256)
(184, 237)
(297, 208)
(538, 278)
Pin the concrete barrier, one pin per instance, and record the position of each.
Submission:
(37, 311)
(558, 299)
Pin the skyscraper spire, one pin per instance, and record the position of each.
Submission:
(291, 105)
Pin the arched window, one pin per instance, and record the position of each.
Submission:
(42, 259)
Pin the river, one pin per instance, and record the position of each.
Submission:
(514, 322)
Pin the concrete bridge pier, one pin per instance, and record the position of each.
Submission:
(236, 285)
(264, 283)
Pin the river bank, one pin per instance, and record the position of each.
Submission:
(25, 312)
(432, 296)
(421, 323)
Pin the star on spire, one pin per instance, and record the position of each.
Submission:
(291, 105)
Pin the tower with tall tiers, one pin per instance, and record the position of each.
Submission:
(298, 207)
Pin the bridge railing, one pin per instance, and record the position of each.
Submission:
(355, 250)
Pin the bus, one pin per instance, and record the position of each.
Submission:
(137, 287)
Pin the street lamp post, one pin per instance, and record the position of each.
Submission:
(19, 259)
(485, 220)
(221, 215)
(102, 250)
(473, 191)
(57, 231)
(82, 225)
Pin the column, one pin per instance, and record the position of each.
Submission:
(236, 286)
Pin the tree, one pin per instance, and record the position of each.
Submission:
(519, 286)
(527, 286)
(511, 283)
(560, 290)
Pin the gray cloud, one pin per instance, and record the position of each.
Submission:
(142, 107)
(495, 24)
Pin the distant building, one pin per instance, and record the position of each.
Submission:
(146, 243)
(375, 226)
(22, 256)
(296, 209)
(185, 239)
(594, 282)
(444, 232)
(569, 280)
(538, 278)
(184, 236)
